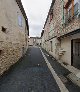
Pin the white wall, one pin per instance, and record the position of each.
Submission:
(66, 46)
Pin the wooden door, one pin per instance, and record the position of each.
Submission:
(76, 54)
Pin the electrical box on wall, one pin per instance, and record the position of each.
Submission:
(57, 44)
(61, 52)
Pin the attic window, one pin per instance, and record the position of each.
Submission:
(3, 29)
(20, 20)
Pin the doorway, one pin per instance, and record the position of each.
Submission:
(75, 53)
(51, 46)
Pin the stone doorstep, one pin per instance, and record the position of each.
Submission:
(74, 76)
(74, 79)
(70, 68)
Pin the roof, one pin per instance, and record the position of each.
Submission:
(23, 12)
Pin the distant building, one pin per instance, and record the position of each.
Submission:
(61, 35)
(31, 41)
(34, 41)
(14, 31)
(38, 41)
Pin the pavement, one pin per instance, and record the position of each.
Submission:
(32, 74)
(29, 74)
(63, 73)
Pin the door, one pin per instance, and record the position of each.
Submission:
(71, 52)
(51, 46)
(76, 53)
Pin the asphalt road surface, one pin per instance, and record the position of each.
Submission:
(29, 74)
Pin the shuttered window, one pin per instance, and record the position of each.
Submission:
(20, 20)
(75, 9)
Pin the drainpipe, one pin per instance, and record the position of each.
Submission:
(63, 11)
(63, 21)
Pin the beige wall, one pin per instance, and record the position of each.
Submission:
(31, 41)
(13, 40)
(42, 41)
(34, 41)
(38, 41)
(66, 46)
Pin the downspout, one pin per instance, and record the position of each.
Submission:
(63, 11)
(63, 21)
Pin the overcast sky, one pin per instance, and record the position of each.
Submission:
(36, 11)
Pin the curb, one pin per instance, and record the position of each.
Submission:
(58, 80)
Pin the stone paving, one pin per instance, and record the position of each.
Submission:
(30, 74)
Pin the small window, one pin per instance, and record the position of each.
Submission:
(3, 29)
(0, 52)
(70, 13)
(20, 20)
(76, 9)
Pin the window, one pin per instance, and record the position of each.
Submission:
(20, 20)
(75, 9)
(69, 15)
(77, 48)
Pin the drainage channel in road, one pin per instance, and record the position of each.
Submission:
(62, 73)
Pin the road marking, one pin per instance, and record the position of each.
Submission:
(58, 80)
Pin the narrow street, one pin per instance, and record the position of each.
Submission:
(30, 74)
(62, 73)
(40, 46)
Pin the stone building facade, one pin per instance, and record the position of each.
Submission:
(38, 41)
(14, 33)
(31, 41)
(34, 41)
(62, 31)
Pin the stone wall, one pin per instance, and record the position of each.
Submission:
(31, 41)
(13, 40)
(56, 28)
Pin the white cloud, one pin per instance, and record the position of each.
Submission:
(36, 11)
